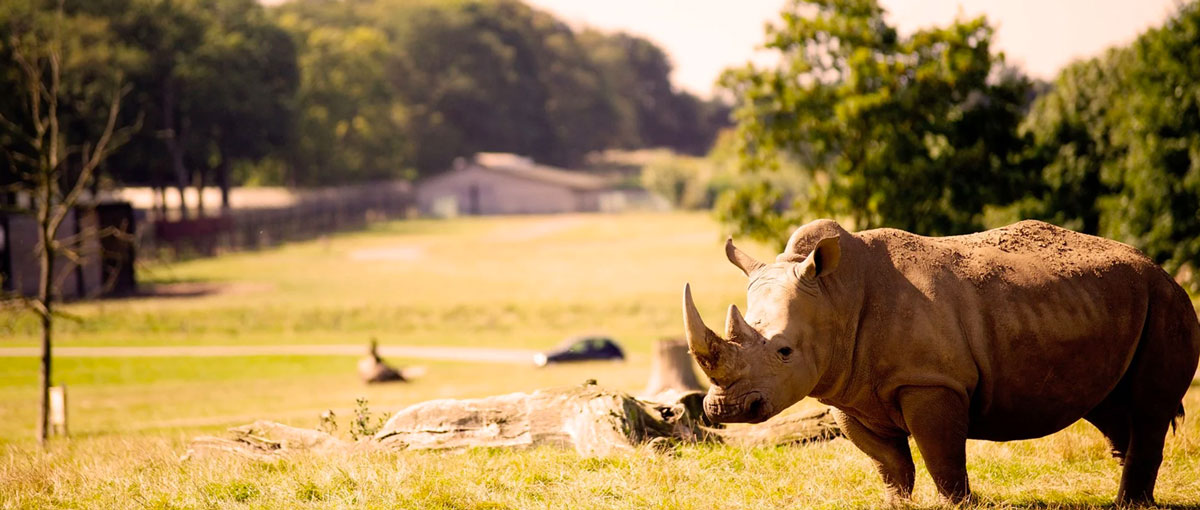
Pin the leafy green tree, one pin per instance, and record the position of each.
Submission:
(391, 86)
(471, 75)
(167, 31)
(916, 132)
(351, 125)
(1119, 136)
(91, 58)
(681, 180)
(240, 84)
(498, 76)
(335, 92)
(756, 204)
(636, 76)
(579, 106)
(218, 87)
(638, 73)
(1071, 127)
(1157, 206)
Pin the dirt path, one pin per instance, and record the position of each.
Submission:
(471, 354)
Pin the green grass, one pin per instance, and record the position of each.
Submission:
(519, 282)
(495, 282)
(113, 396)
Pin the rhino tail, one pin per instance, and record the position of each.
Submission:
(1179, 416)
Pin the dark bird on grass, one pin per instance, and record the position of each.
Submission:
(372, 369)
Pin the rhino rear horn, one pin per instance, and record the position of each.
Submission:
(740, 258)
(704, 344)
(736, 328)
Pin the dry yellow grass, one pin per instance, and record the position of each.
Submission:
(1070, 469)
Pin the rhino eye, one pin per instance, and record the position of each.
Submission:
(785, 351)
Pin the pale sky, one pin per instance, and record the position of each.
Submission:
(705, 36)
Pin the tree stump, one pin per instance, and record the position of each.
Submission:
(672, 370)
(592, 420)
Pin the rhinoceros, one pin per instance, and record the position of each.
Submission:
(1012, 333)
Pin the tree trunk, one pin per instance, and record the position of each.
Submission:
(46, 236)
(181, 180)
(94, 186)
(202, 173)
(162, 201)
(671, 369)
(223, 182)
(174, 133)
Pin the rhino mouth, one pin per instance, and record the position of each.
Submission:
(750, 408)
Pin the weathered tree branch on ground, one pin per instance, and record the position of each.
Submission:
(592, 420)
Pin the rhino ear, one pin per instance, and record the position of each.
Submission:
(740, 258)
(823, 260)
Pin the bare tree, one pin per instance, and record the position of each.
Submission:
(55, 172)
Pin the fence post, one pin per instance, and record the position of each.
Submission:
(58, 410)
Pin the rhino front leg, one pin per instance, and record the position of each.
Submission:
(892, 456)
(937, 418)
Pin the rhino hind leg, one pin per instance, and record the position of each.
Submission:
(1113, 418)
(1157, 379)
(1153, 409)
(1142, 463)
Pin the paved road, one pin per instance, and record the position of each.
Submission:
(473, 354)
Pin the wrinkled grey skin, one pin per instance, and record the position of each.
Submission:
(766, 367)
(1013, 333)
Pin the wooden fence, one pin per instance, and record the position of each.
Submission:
(314, 213)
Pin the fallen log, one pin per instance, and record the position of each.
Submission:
(592, 420)
(793, 429)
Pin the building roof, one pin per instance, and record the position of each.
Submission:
(525, 168)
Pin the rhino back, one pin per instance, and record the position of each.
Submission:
(1033, 323)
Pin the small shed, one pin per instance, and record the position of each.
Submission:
(105, 259)
(499, 183)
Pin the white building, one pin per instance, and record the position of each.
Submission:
(497, 183)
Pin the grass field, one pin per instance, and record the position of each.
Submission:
(520, 282)
(523, 282)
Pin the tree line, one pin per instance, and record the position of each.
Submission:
(934, 133)
(322, 92)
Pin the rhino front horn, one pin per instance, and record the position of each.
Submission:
(704, 344)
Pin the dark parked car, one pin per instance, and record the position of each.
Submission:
(581, 348)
